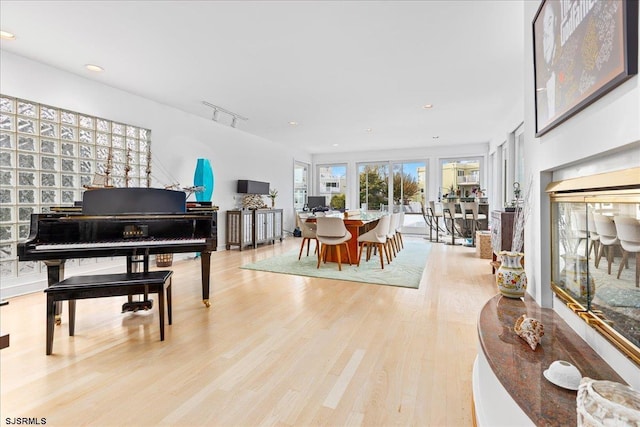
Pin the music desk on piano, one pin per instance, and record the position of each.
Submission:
(131, 222)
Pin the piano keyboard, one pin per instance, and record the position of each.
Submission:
(118, 244)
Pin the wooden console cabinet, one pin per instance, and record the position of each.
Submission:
(502, 230)
(253, 227)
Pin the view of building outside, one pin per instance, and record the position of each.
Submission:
(461, 178)
(332, 181)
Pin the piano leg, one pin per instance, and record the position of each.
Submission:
(205, 268)
(55, 274)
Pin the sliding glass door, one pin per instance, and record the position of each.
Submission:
(409, 185)
(406, 185)
(374, 186)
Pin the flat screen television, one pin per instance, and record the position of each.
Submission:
(316, 202)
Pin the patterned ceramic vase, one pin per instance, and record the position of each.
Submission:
(511, 277)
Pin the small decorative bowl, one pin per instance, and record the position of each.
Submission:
(563, 374)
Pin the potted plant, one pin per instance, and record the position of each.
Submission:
(273, 194)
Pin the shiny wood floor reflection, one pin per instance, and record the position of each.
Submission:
(272, 349)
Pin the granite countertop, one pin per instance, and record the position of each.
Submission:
(520, 369)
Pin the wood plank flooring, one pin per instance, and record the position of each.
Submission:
(272, 350)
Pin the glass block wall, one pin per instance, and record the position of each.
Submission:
(47, 157)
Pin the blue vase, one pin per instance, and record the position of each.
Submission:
(203, 177)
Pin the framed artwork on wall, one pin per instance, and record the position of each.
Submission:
(581, 51)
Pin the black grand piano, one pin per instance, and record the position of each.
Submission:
(131, 222)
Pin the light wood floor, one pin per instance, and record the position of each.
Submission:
(272, 349)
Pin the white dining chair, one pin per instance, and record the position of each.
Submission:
(606, 229)
(580, 224)
(594, 239)
(331, 232)
(376, 237)
(628, 231)
(399, 224)
(308, 233)
(392, 242)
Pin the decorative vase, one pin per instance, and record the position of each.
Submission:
(203, 177)
(273, 202)
(511, 277)
(574, 277)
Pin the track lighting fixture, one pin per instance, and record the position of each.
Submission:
(217, 110)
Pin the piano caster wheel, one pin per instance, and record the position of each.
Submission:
(58, 320)
(206, 303)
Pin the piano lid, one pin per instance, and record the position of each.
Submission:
(121, 201)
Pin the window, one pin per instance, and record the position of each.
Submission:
(332, 181)
(300, 184)
(374, 185)
(461, 178)
(519, 139)
(47, 155)
(409, 186)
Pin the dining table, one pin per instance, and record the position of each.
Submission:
(357, 223)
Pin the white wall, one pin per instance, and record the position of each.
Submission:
(178, 138)
(603, 137)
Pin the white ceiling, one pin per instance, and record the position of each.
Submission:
(335, 67)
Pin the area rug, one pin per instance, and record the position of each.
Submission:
(405, 270)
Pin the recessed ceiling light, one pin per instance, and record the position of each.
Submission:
(368, 130)
(427, 106)
(6, 35)
(334, 145)
(292, 123)
(96, 68)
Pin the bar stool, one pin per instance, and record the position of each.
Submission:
(471, 216)
(436, 209)
(429, 220)
(449, 213)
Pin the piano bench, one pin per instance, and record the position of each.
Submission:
(106, 285)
